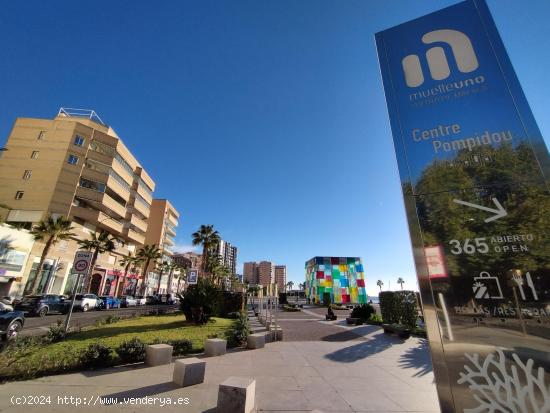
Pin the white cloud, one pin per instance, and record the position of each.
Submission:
(179, 248)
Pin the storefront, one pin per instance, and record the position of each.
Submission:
(15, 247)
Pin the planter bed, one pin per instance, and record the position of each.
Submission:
(402, 332)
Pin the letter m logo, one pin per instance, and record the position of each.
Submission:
(463, 53)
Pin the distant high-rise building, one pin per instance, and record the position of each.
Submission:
(280, 277)
(228, 255)
(264, 273)
(250, 273)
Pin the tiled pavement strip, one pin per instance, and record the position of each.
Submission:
(319, 365)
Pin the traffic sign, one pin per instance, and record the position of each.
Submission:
(192, 276)
(82, 261)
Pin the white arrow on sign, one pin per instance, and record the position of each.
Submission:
(499, 211)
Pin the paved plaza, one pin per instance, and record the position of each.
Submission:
(320, 365)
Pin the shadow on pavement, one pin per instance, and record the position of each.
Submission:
(113, 370)
(418, 358)
(363, 349)
(152, 390)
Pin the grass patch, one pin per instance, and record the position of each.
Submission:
(39, 359)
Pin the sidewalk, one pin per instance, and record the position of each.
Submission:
(341, 372)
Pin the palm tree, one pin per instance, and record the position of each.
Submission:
(50, 230)
(289, 285)
(104, 242)
(208, 237)
(162, 267)
(126, 262)
(401, 281)
(380, 284)
(147, 253)
(181, 276)
(171, 267)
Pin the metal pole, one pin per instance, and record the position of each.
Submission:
(68, 320)
(276, 326)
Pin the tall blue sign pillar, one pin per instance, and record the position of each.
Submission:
(475, 177)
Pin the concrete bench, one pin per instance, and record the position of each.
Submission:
(188, 371)
(158, 354)
(268, 335)
(279, 334)
(215, 347)
(255, 341)
(236, 395)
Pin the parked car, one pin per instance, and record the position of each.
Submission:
(150, 299)
(11, 322)
(128, 301)
(42, 304)
(141, 299)
(165, 299)
(85, 302)
(108, 301)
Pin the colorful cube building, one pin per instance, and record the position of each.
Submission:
(341, 277)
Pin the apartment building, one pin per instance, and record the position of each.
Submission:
(280, 277)
(188, 260)
(264, 273)
(228, 255)
(250, 273)
(161, 230)
(76, 166)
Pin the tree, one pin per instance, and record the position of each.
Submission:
(50, 230)
(147, 254)
(162, 267)
(289, 285)
(171, 267)
(104, 242)
(181, 276)
(379, 283)
(401, 281)
(208, 237)
(127, 262)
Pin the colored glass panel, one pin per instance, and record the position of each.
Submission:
(320, 274)
(360, 283)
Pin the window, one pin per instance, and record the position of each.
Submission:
(78, 140)
(27, 174)
(41, 135)
(73, 160)
(19, 194)
(34, 155)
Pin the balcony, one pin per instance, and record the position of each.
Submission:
(170, 230)
(138, 223)
(142, 207)
(167, 250)
(173, 220)
(168, 241)
(96, 217)
(135, 236)
(144, 193)
(101, 198)
(115, 184)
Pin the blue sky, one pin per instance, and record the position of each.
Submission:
(266, 119)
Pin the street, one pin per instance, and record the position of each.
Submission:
(35, 326)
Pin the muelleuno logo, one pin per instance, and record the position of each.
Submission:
(461, 47)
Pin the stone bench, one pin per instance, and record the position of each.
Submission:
(215, 347)
(255, 341)
(278, 333)
(188, 372)
(268, 335)
(236, 395)
(158, 354)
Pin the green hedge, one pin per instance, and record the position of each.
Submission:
(399, 307)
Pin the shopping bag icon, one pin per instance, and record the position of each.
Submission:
(487, 286)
